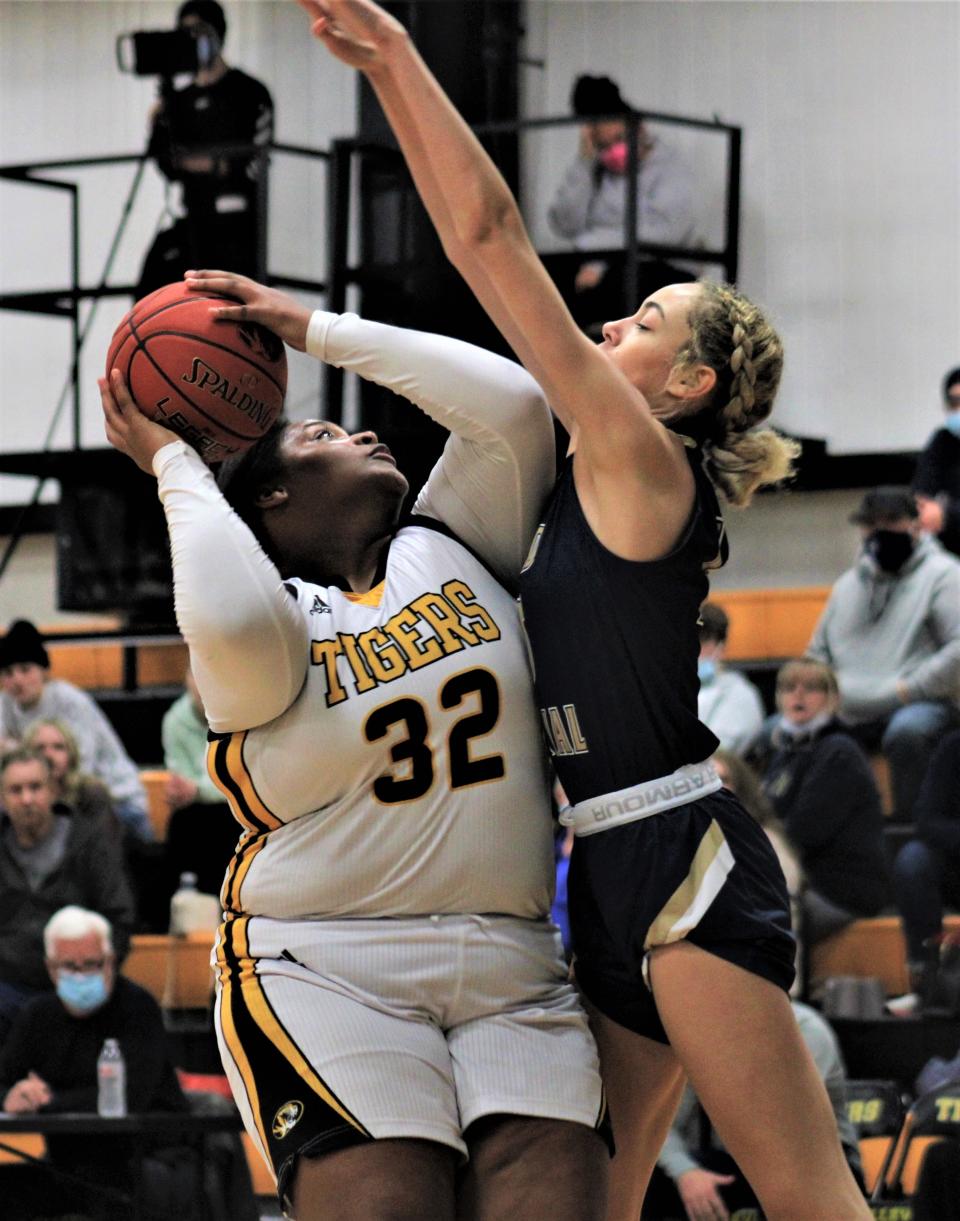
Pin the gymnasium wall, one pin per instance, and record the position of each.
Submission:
(850, 221)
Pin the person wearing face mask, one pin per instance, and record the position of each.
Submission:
(589, 206)
(49, 857)
(48, 1064)
(728, 704)
(221, 105)
(821, 787)
(891, 631)
(937, 479)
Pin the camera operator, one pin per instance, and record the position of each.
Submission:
(221, 105)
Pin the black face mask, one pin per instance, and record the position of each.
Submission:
(889, 549)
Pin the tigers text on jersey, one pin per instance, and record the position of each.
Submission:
(407, 777)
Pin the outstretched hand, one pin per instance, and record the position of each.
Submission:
(127, 428)
(280, 313)
(358, 32)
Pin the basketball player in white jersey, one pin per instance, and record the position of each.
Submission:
(393, 1011)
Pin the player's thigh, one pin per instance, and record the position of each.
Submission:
(405, 1180)
(738, 1040)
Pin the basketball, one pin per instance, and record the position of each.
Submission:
(219, 385)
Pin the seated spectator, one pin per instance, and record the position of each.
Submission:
(821, 786)
(891, 632)
(937, 479)
(29, 694)
(202, 834)
(49, 857)
(49, 1063)
(694, 1165)
(589, 207)
(926, 873)
(728, 704)
(86, 795)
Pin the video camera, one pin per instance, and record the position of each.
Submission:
(164, 52)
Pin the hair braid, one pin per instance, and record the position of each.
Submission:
(731, 335)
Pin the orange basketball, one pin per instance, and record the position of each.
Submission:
(219, 385)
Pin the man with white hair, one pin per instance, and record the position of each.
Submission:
(49, 1063)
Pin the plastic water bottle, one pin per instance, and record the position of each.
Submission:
(191, 911)
(111, 1081)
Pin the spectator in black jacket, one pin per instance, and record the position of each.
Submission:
(821, 786)
(49, 1064)
(937, 479)
(926, 872)
(49, 857)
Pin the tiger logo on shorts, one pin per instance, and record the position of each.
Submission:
(287, 1118)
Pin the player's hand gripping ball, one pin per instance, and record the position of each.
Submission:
(219, 385)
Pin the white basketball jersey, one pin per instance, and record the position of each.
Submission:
(408, 776)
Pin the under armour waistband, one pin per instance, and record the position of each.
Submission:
(686, 784)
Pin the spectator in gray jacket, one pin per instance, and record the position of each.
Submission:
(728, 704)
(891, 632)
(49, 858)
(29, 694)
(589, 207)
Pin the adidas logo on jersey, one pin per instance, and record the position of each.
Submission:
(319, 606)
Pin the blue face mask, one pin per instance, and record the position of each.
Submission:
(952, 421)
(706, 671)
(84, 993)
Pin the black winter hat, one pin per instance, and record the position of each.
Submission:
(597, 95)
(23, 643)
(207, 11)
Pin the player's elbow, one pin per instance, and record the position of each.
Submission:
(492, 220)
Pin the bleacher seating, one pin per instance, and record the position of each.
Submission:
(867, 948)
(175, 970)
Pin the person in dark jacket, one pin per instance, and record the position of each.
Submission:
(49, 857)
(937, 479)
(926, 873)
(49, 1064)
(821, 786)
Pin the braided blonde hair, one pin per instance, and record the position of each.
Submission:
(731, 335)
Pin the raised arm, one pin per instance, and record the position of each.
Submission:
(483, 235)
(247, 639)
(498, 464)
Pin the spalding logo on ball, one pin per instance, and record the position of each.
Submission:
(219, 385)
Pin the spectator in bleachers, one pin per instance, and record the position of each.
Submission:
(936, 482)
(891, 631)
(84, 794)
(926, 872)
(728, 704)
(49, 1064)
(49, 857)
(589, 207)
(698, 1179)
(821, 786)
(202, 833)
(29, 694)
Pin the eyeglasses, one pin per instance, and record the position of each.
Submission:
(804, 684)
(89, 966)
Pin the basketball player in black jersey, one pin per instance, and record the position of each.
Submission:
(679, 907)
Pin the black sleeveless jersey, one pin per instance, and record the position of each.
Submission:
(615, 644)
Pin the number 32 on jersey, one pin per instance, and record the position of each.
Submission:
(413, 765)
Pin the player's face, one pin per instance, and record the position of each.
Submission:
(28, 801)
(644, 346)
(23, 682)
(345, 465)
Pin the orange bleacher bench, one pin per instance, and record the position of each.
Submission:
(175, 970)
(872, 948)
(770, 623)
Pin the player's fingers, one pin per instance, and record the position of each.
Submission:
(121, 394)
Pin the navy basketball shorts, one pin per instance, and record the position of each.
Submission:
(334, 1033)
(706, 872)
